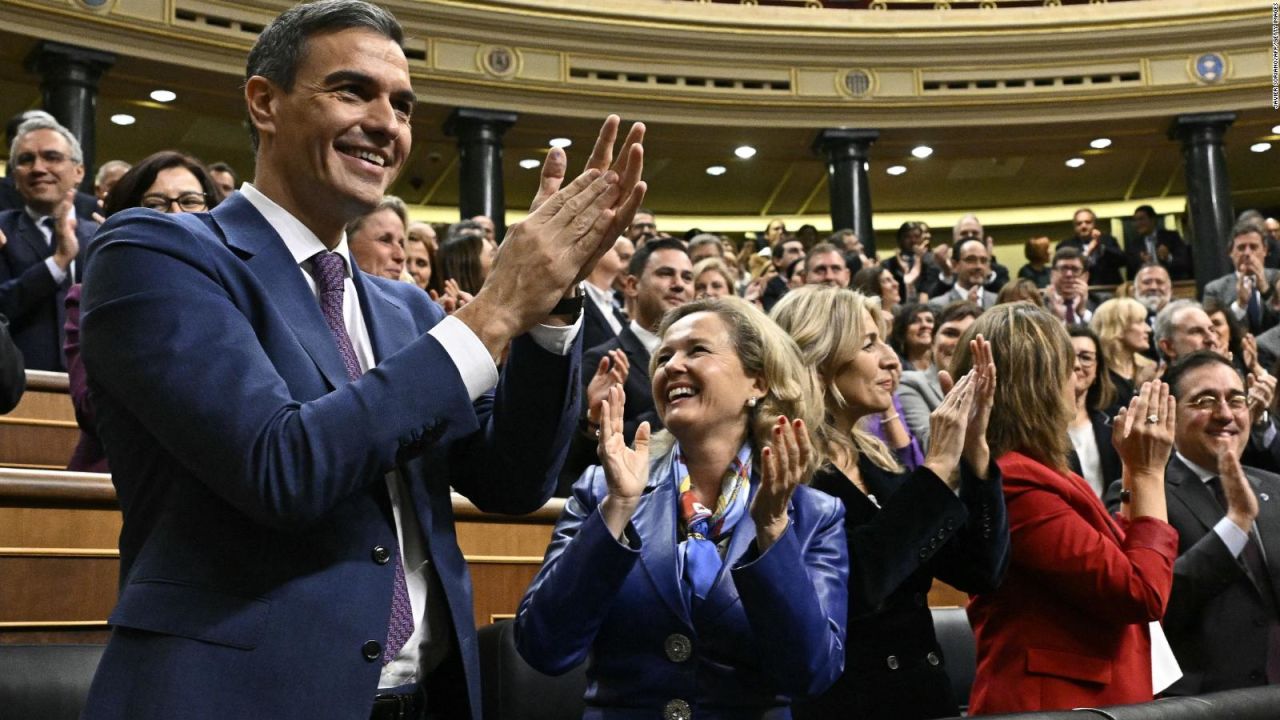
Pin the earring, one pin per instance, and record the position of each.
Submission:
(751, 402)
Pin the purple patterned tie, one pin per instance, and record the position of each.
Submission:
(330, 275)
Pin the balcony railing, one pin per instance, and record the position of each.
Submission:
(908, 4)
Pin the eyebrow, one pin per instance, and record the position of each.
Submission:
(339, 77)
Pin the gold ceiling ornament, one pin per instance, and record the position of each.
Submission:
(498, 60)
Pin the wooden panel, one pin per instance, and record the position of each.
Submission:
(95, 635)
(41, 432)
(494, 539)
(498, 588)
(57, 589)
(59, 528)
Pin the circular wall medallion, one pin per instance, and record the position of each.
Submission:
(499, 60)
(1209, 67)
(857, 83)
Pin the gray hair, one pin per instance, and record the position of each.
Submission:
(388, 202)
(280, 47)
(707, 239)
(955, 230)
(1164, 320)
(46, 123)
(107, 167)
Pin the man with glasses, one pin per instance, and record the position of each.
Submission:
(1069, 287)
(45, 239)
(1250, 291)
(972, 263)
(1222, 620)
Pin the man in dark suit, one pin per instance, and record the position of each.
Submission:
(784, 252)
(659, 278)
(1222, 619)
(284, 430)
(1249, 293)
(10, 199)
(1153, 244)
(44, 238)
(1102, 254)
(13, 376)
(602, 320)
(1068, 297)
(972, 263)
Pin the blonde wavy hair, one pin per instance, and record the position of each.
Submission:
(1110, 321)
(827, 325)
(1033, 357)
(765, 352)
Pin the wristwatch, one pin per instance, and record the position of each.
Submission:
(571, 305)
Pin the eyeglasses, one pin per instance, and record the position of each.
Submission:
(1086, 358)
(1209, 403)
(187, 202)
(1069, 270)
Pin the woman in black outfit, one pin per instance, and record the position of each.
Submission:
(903, 529)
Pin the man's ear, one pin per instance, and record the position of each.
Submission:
(260, 96)
(630, 285)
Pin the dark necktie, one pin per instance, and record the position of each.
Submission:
(1253, 560)
(49, 224)
(1254, 311)
(330, 275)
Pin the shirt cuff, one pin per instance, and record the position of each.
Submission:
(469, 355)
(1236, 310)
(1232, 536)
(556, 339)
(58, 273)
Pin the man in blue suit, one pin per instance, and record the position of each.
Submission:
(43, 253)
(283, 429)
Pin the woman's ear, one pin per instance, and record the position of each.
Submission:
(759, 387)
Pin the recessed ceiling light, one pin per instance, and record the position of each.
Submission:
(922, 151)
(1260, 147)
(716, 170)
(1075, 162)
(561, 142)
(746, 152)
(530, 163)
(123, 119)
(164, 96)
(1100, 143)
(1275, 129)
(896, 169)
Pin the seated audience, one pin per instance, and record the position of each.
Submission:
(1094, 457)
(972, 263)
(904, 526)
(167, 182)
(1222, 619)
(1153, 288)
(920, 392)
(703, 246)
(48, 239)
(1183, 327)
(854, 252)
(712, 278)
(106, 178)
(643, 227)
(1236, 342)
(1071, 624)
(225, 177)
(784, 251)
(1103, 257)
(486, 224)
(420, 254)
(1123, 335)
(915, 277)
(1020, 290)
(968, 227)
(659, 279)
(706, 580)
(912, 336)
(879, 283)
(1068, 294)
(1249, 292)
(1153, 244)
(824, 265)
(376, 239)
(465, 257)
(10, 198)
(13, 374)
(1036, 251)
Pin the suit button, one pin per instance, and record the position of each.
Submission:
(677, 710)
(371, 650)
(924, 553)
(678, 648)
(933, 543)
(933, 659)
(381, 555)
(949, 524)
(892, 662)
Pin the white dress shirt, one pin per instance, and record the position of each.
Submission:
(430, 641)
(1232, 536)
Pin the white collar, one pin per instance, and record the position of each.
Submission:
(37, 217)
(1204, 475)
(298, 238)
(600, 297)
(646, 338)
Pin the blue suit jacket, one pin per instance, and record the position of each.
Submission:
(772, 626)
(251, 471)
(29, 297)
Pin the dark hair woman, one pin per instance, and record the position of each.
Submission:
(1090, 428)
(912, 335)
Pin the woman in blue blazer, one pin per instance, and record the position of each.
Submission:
(707, 581)
(944, 519)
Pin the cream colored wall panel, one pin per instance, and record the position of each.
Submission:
(1166, 71)
(896, 84)
(817, 82)
(149, 10)
(541, 66)
(1249, 65)
(454, 56)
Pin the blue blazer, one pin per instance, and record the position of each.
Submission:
(251, 471)
(771, 628)
(29, 297)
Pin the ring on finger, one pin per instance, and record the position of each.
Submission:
(1152, 419)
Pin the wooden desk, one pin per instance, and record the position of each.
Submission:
(41, 432)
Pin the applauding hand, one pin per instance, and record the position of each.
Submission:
(626, 469)
(784, 462)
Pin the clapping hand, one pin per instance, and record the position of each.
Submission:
(1262, 390)
(612, 371)
(1242, 503)
(783, 466)
(626, 469)
(976, 451)
(949, 427)
(1142, 435)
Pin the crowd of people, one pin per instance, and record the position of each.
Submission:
(771, 445)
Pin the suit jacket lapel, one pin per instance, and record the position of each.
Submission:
(33, 239)
(246, 231)
(632, 346)
(382, 316)
(655, 522)
(1191, 492)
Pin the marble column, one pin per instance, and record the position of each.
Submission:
(479, 134)
(1208, 190)
(846, 154)
(69, 87)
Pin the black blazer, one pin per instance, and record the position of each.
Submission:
(596, 329)
(638, 389)
(1179, 264)
(1106, 262)
(1111, 467)
(13, 376)
(29, 297)
(894, 667)
(1219, 616)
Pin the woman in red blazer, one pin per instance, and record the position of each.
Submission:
(1069, 627)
